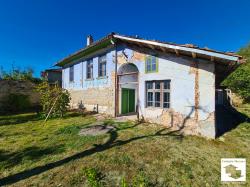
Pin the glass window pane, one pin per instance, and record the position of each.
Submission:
(166, 97)
(150, 104)
(148, 68)
(102, 58)
(167, 84)
(71, 73)
(150, 96)
(150, 99)
(104, 69)
(149, 85)
(157, 99)
(157, 85)
(166, 105)
(153, 63)
(153, 67)
(148, 63)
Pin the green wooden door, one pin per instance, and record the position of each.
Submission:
(124, 101)
(128, 100)
(131, 102)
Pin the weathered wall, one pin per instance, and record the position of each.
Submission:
(192, 91)
(95, 91)
(18, 87)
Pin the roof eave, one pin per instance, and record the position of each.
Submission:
(86, 51)
(209, 53)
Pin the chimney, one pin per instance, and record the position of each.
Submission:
(89, 40)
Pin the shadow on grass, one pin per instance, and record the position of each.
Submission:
(17, 119)
(10, 159)
(110, 143)
(227, 119)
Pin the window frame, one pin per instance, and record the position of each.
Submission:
(71, 73)
(89, 64)
(151, 57)
(101, 63)
(162, 90)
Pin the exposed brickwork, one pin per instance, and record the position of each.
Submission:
(137, 56)
(186, 124)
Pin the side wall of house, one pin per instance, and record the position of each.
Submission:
(192, 97)
(92, 92)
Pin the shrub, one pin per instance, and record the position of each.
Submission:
(53, 99)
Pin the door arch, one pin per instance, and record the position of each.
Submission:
(127, 79)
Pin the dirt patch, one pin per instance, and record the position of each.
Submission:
(96, 130)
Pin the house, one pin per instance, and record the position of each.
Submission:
(233, 171)
(53, 76)
(163, 83)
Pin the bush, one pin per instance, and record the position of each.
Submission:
(53, 98)
(239, 80)
(16, 103)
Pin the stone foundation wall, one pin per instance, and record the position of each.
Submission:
(90, 98)
(18, 87)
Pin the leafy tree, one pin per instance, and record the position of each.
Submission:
(54, 99)
(18, 74)
(239, 80)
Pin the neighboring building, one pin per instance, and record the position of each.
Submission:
(53, 76)
(163, 83)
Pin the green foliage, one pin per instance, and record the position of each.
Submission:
(93, 177)
(124, 183)
(141, 180)
(18, 74)
(16, 103)
(239, 80)
(53, 97)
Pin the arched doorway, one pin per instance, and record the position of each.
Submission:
(127, 79)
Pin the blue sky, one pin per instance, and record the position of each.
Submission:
(37, 33)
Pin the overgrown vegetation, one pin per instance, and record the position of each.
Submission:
(132, 155)
(239, 80)
(54, 99)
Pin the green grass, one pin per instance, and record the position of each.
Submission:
(53, 154)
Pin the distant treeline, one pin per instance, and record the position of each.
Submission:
(18, 74)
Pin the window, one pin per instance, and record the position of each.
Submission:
(151, 64)
(71, 74)
(158, 93)
(102, 66)
(90, 69)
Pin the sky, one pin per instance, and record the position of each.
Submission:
(37, 33)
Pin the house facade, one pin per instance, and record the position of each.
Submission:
(163, 83)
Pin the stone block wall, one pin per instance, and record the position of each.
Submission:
(104, 97)
(18, 87)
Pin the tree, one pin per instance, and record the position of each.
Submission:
(54, 99)
(18, 74)
(239, 80)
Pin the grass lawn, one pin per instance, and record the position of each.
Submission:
(34, 154)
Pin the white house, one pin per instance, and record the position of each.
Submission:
(163, 83)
